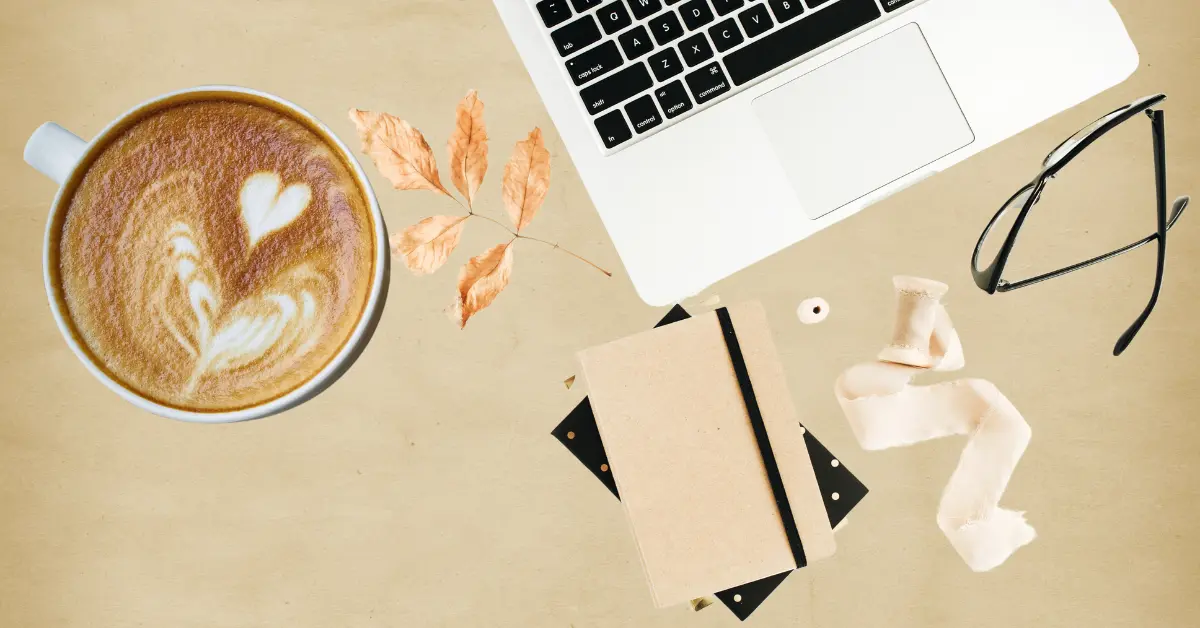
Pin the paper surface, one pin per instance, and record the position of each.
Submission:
(420, 490)
(685, 460)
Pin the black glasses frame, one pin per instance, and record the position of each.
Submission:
(990, 278)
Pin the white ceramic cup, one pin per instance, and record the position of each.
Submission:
(62, 156)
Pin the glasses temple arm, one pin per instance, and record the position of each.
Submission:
(1160, 190)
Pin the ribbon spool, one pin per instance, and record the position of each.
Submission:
(884, 410)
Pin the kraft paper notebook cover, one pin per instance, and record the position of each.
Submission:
(840, 489)
(685, 458)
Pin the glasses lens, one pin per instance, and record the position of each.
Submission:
(1001, 225)
(1099, 202)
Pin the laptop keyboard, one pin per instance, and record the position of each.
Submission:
(640, 65)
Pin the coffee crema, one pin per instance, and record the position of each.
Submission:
(216, 255)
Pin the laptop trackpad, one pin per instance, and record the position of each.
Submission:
(862, 121)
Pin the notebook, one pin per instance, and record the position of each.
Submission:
(684, 456)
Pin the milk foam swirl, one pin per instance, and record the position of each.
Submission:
(180, 290)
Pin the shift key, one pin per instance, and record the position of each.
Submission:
(617, 88)
(707, 83)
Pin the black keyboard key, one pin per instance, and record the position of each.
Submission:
(576, 36)
(636, 42)
(665, 64)
(725, 35)
(612, 90)
(666, 28)
(799, 38)
(892, 5)
(696, 14)
(755, 20)
(671, 2)
(613, 129)
(594, 63)
(813, 4)
(725, 7)
(554, 12)
(707, 83)
(643, 9)
(786, 9)
(695, 49)
(673, 99)
(643, 115)
(613, 17)
(584, 5)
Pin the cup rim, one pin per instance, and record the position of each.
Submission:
(317, 383)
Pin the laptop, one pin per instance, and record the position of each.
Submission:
(713, 133)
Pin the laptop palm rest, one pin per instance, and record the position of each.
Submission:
(862, 121)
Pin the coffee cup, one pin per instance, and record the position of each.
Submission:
(299, 331)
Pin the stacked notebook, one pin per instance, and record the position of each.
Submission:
(692, 427)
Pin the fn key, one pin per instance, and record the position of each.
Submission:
(613, 129)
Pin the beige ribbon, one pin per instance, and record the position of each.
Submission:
(884, 411)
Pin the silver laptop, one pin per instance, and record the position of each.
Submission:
(713, 133)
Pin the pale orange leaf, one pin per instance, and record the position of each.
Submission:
(481, 280)
(468, 147)
(526, 179)
(569, 382)
(425, 246)
(398, 150)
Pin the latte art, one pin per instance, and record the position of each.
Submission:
(182, 289)
(265, 208)
(217, 286)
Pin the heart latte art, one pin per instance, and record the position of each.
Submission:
(216, 255)
(182, 286)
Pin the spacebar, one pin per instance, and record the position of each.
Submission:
(799, 38)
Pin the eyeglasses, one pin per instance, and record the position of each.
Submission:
(990, 278)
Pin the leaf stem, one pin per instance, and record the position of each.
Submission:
(553, 245)
(490, 219)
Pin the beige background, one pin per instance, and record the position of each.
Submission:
(424, 488)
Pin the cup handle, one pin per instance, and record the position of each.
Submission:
(54, 151)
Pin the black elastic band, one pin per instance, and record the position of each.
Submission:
(760, 435)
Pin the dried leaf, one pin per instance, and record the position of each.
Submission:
(569, 382)
(526, 179)
(399, 151)
(468, 147)
(425, 246)
(481, 280)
